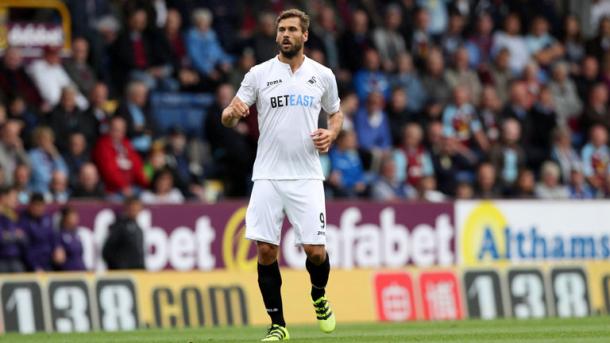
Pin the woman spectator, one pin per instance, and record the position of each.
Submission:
(70, 240)
(163, 190)
(550, 188)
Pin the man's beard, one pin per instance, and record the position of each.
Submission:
(290, 53)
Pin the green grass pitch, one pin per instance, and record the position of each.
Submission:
(595, 329)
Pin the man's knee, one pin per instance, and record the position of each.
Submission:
(315, 253)
(267, 253)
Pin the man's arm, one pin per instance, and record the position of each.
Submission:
(236, 110)
(322, 138)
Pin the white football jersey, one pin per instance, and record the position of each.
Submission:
(288, 106)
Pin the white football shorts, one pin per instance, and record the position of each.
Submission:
(301, 200)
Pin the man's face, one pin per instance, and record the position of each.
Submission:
(37, 209)
(290, 37)
(133, 209)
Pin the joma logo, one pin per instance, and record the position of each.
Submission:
(275, 82)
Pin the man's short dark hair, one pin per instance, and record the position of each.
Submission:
(130, 200)
(294, 13)
(36, 198)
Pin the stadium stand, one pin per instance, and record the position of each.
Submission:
(500, 91)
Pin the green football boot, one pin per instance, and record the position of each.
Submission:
(276, 333)
(325, 315)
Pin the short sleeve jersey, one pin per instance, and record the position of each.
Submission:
(288, 106)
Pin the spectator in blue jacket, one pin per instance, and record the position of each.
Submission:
(372, 125)
(43, 248)
(347, 177)
(371, 78)
(70, 241)
(45, 160)
(204, 49)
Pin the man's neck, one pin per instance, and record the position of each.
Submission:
(294, 62)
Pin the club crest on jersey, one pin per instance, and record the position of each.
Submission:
(312, 80)
(274, 82)
(292, 100)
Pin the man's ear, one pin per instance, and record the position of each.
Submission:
(305, 36)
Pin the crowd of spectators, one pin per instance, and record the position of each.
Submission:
(443, 99)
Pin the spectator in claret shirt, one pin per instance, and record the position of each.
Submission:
(596, 158)
(460, 121)
(15, 81)
(43, 248)
(412, 158)
(12, 237)
(70, 240)
(140, 53)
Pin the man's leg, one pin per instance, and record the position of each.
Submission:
(270, 281)
(318, 266)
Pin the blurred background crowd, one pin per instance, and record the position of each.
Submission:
(443, 99)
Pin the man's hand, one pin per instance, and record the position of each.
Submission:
(236, 110)
(322, 138)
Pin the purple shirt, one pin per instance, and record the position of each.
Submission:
(41, 241)
(73, 246)
(10, 244)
